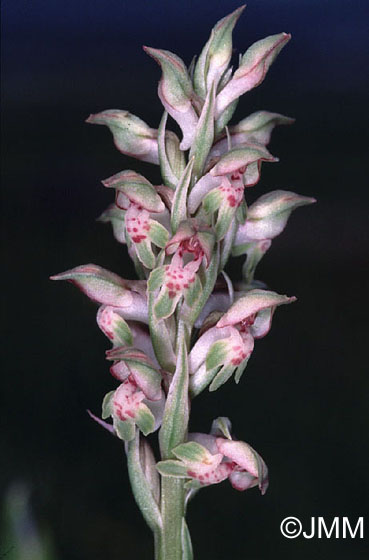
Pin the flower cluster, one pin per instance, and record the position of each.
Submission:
(183, 326)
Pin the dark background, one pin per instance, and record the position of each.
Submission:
(303, 401)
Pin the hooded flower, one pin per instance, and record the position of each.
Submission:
(129, 407)
(254, 129)
(221, 189)
(266, 218)
(139, 199)
(173, 282)
(176, 93)
(207, 459)
(128, 297)
(252, 69)
(132, 136)
(192, 239)
(225, 348)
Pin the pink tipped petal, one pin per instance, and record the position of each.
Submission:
(137, 189)
(240, 157)
(175, 93)
(252, 70)
(250, 304)
(99, 284)
(132, 136)
(216, 54)
(239, 452)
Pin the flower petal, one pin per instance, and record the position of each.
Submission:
(250, 304)
(99, 284)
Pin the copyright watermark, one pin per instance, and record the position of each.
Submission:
(339, 528)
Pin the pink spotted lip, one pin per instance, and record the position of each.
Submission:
(177, 279)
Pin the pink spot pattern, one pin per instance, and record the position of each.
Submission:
(127, 399)
(232, 189)
(137, 223)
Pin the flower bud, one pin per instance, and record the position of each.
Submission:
(253, 67)
(175, 92)
(132, 136)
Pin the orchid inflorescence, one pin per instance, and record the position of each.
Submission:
(183, 327)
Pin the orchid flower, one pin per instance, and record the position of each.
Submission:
(207, 459)
(225, 348)
(184, 325)
(221, 190)
(132, 136)
(266, 218)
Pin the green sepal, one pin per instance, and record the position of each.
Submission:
(142, 491)
(224, 220)
(204, 135)
(212, 201)
(193, 293)
(160, 337)
(164, 306)
(107, 409)
(124, 332)
(239, 371)
(179, 207)
(145, 420)
(210, 276)
(145, 253)
(241, 213)
(217, 354)
(173, 468)
(190, 451)
(221, 377)
(222, 426)
(125, 429)
(158, 234)
(175, 420)
(156, 279)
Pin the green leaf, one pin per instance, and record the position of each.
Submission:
(179, 208)
(141, 488)
(204, 135)
(174, 426)
(160, 338)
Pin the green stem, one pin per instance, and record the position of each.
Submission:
(172, 511)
